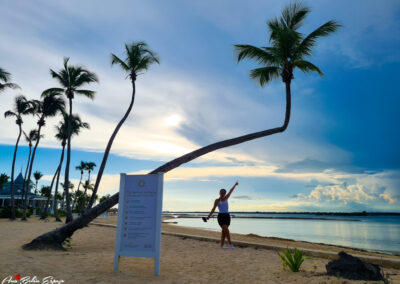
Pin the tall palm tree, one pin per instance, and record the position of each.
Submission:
(21, 107)
(282, 39)
(30, 138)
(37, 176)
(86, 186)
(90, 167)
(71, 79)
(5, 83)
(50, 106)
(3, 180)
(81, 167)
(138, 58)
(62, 135)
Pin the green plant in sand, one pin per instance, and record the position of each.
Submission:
(293, 261)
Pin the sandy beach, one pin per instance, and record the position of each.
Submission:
(183, 260)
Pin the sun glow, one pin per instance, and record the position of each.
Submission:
(173, 120)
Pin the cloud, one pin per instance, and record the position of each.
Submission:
(248, 197)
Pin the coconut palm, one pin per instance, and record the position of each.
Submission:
(37, 176)
(5, 78)
(85, 196)
(21, 107)
(71, 79)
(284, 42)
(138, 58)
(30, 138)
(3, 180)
(90, 167)
(81, 167)
(49, 106)
(62, 135)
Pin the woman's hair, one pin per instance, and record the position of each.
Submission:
(222, 189)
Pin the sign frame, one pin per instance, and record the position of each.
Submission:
(157, 230)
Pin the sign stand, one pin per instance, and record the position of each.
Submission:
(139, 218)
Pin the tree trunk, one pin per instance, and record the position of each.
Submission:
(30, 168)
(108, 148)
(12, 217)
(66, 180)
(44, 213)
(26, 172)
(79, 185)
(55, 210)
(55, 238)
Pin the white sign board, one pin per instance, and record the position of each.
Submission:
(139, 218)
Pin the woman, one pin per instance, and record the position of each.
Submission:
(224, 219)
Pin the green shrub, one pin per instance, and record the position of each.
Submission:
(292, 261)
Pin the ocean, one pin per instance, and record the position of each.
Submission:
(374, 233)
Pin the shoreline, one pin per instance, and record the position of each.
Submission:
(275, 241)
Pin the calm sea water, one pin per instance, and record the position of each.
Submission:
(374, 233)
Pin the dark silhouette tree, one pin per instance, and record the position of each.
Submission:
(5, 83)
(21, 107)
(138, 58)
(62, 135)
(50, 106)
(71, 78)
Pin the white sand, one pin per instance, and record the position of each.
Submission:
(90, 260)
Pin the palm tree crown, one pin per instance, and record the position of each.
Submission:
(21, 107)
(32, 136)
(138, 58)
(71, 78)
(76, 126)
(288, 46)
(6, 77)
(48, 107)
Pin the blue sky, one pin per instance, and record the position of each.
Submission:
(340, 152)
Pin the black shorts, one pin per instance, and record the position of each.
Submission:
(224, 219)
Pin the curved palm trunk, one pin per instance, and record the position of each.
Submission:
(26, 173)
(44, 213)
(30, 171)
(12, 217)
(54, 239)
(55, 209)
(66, 180)
(108, 148)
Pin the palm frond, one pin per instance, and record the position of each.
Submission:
(87, 93)
(10, 113)
(52, 92)
(9, 86)
(265, 74)
(305, 47)
(294, 14)
(307, 66)
(4, 75)
(116, 60)
(263, 56)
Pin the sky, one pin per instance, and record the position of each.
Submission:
(339, 153)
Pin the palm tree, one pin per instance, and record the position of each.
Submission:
(138, 58)
(30, 138)
(282, 40)
(50, 106)
(71, 78)
(90, 167)
(37, 176)
(6, 77)
(81, 167)
(3, 180)
(62, 135)
(86, 186)
(21, 107)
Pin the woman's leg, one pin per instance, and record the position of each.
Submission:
(228, 235)
(222, 236)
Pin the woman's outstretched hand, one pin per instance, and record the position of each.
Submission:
(236, 183)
